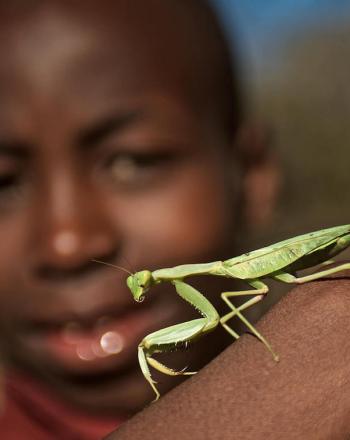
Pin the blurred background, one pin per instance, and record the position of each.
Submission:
(296, 62)
(296, 67)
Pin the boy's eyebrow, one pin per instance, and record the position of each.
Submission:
(89, 137)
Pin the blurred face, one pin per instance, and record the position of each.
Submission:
(103, 155)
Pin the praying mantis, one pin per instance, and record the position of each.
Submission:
(279, 261)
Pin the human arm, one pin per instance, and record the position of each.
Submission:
(244, 394)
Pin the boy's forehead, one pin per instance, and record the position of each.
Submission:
(148, 34)
(153, 43)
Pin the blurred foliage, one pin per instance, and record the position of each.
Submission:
(306, 101)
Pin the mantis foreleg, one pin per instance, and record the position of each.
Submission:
(179, 334)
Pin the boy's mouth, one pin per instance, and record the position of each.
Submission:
(99, 345)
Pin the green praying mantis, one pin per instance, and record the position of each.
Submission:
(280, 261)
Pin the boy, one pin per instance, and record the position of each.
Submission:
(117, 143)
(118, 129)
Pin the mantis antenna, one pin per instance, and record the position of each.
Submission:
(113, 265)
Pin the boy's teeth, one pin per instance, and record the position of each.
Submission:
(84, 352)
(103, 321)
(107, 344)
(97, 350)
(74, 331)
(101, 340)
(112, 342)
(71, 332)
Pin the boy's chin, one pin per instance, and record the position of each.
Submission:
(119, 395)
(114, 392)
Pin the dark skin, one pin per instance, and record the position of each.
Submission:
(105, 155)
(244, 394)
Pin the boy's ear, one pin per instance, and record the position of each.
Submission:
(261, 173)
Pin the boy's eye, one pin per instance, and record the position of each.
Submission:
(137, 168)
(9, 184)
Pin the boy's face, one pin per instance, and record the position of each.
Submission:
(103, 155)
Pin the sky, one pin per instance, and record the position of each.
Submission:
(265, 24)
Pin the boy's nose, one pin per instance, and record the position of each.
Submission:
(74, 227)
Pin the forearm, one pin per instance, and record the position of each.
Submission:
(244, 394)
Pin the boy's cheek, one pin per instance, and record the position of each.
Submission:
(191, 219)
(14, 261)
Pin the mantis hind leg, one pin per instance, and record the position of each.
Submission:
(259, 292)
(177, 335)
(289, 278)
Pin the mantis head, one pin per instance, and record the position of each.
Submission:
(139, 283)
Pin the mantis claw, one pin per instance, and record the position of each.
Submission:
(187, 373)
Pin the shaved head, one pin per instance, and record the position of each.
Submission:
(181, 36)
